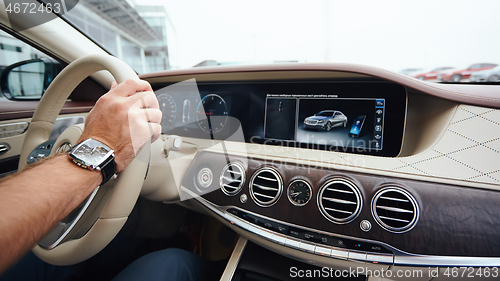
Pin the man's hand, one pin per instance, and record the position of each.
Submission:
(125, 119)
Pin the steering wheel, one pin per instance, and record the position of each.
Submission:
(89, 228)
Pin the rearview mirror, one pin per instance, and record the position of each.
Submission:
(28, 80)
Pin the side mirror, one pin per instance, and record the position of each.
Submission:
(28, 80)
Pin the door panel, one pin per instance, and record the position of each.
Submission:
(14, 141)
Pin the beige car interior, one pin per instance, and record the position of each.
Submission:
(451, 137)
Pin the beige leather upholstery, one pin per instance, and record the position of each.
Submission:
(468, 149)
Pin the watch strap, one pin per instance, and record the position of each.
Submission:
(108, 169)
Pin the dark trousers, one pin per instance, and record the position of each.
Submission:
(169, 264)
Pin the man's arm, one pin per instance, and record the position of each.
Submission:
(34, 200)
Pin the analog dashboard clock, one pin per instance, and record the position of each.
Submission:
(299, 192)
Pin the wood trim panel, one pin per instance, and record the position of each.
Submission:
(454, 220)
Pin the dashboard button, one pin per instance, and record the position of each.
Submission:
(323, 251)
(240, 223)
(308, 247)
(278, 238)
(276, 227)
(234, 212)
(357, 256)
(253, 229)
(293, 243)
(266, 234)
(339, 253)
(305, 235)
(295, 233)
(379, 258)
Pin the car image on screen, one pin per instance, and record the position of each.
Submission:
(326, 119)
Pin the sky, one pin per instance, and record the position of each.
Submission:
(388, 34)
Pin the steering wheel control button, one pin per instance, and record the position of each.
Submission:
(379, 258)
(357, 256)
(40, 152)
(243, 198)
(205, 177)
(365, 225)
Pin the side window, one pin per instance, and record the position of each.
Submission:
(25, 71)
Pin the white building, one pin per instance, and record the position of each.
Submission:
(136, 34)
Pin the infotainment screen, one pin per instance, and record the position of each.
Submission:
(366, 117)
(327, 120)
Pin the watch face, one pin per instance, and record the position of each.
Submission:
(91, 155)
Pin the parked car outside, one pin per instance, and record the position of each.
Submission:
(409, 71)
(489, 75)
(326, 119)
(457, 75)
(431, 75)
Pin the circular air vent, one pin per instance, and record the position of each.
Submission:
(266, 187)
(232, 178)
(395, 209)
(339, 200)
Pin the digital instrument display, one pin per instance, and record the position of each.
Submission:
(365, 118)
(328, 120)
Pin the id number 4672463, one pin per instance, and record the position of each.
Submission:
(34, 8)
(471, 272)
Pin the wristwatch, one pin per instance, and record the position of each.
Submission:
(96, 156)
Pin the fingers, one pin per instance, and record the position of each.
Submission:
(113, 85)
(155, 131)
(130, 87)
(144, 100)
(152, 115)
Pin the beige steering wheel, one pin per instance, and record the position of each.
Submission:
(106, 210)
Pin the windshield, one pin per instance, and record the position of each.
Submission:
(434, 41)
(325, 113)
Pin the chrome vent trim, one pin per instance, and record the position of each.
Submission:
(232, 178)
(339, 200)
(266, 187)
(395, 209)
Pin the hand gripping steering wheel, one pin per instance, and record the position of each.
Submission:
(90, 227)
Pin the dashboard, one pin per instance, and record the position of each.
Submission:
(366, 118)
(420, 190)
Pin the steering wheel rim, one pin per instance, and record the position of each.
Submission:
(119, 199)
